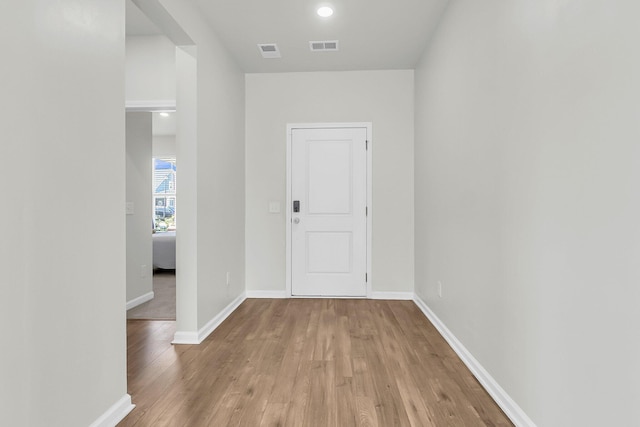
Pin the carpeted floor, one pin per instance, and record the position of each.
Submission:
(163, 304)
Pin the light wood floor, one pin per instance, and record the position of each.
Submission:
(305, 362)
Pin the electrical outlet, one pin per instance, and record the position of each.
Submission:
(440, 289)
(228, 278)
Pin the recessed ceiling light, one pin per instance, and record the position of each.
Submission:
(324, 11)
(164, 114)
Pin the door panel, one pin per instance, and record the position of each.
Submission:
(330, 167)
(329, 252)
(328, 234)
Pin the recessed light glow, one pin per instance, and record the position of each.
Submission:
(164, 114)
(325, 11)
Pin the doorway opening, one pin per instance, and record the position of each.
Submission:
(156, 191)
(161, 64)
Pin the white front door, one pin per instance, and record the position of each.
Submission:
(328, 212)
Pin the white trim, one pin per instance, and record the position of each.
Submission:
(212, 324)
(266, 294)
(369, 128)
(186, 337)
(287, 210)
(183, 337)
(405, 296)
(115, 413)
(161, 105)
(140, 300)
(499, 395)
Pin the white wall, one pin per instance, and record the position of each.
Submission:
(139, 187)
(527, 171)
(384, 98)
(214, 174)
(17, 137)
(150, 69)
(164, 146)
(63, 287)
(187, 195)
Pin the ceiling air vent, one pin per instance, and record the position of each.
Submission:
(327, 45)
(269, 50)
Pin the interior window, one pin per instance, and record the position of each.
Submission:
(164, 194)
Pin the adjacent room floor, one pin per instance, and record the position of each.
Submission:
(305, 362)
(163, 304)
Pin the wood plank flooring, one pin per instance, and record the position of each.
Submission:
(305, 362)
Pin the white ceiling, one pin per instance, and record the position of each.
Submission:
(373, 34)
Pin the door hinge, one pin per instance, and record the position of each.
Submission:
(366, 277)
(366, 144)
(366, 211)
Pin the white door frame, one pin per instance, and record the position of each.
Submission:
(290, 127)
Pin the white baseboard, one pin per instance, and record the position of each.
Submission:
(182, 337)
(185, 337)
(392, 295)
(283, 294)
(267, 294)
(499, 395)
(115, 414)
(212, 324)
(140, 300)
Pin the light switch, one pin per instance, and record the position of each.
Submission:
(128, 208)
(274, 207)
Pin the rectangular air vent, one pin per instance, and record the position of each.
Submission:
(327, 45)
(269, 50)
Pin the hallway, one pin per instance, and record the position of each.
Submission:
(295, 362)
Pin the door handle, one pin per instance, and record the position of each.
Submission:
(296, 220)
